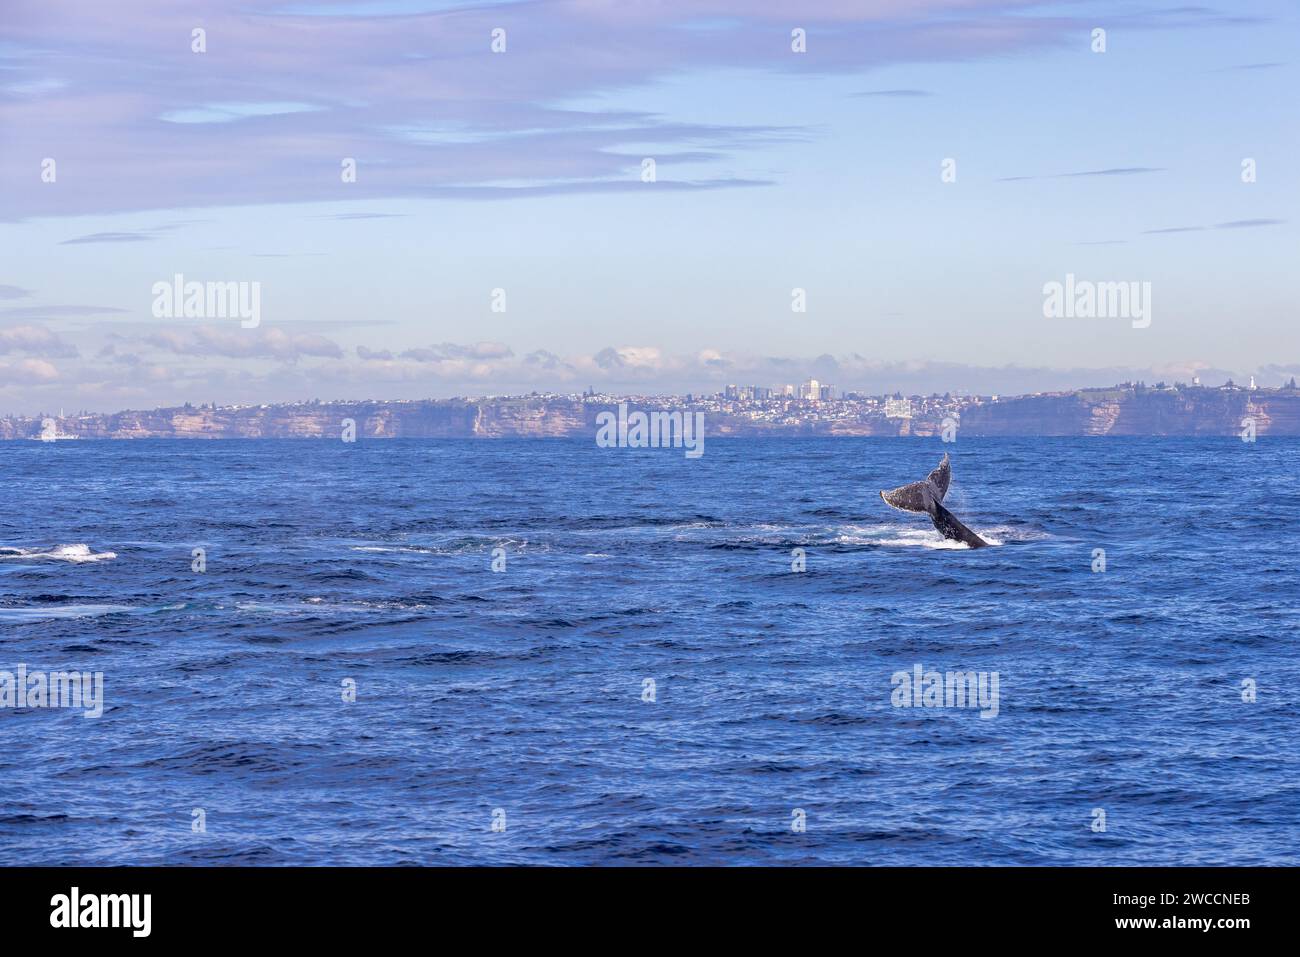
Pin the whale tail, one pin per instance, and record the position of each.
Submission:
(927, 496)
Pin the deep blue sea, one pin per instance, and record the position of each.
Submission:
(516, 698)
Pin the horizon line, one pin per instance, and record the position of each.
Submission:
(848, 395)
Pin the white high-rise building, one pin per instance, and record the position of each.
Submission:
(899, 408)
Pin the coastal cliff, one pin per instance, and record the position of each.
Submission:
(1187, 412)
(1129, 410)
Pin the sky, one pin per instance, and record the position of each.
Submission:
(919, 170)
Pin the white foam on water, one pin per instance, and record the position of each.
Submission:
(284, 608)
(903, 536)
(44, 612)
(394, 548)
(943, 544)
(459, 545)
(1015, 534)
(316, 605)
(77, 554)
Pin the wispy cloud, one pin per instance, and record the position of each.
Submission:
(1110, 171)
(901, 94)
(1117, 171)
(35, 341)
(28, 372)
(146, 123)
(1250, 66)
(346, 217)
(230, 112)
(117, 237)
(133, 235)
(57, 312)
(236, 343)
(1233, 224)
(1249, 223)
(277, 364)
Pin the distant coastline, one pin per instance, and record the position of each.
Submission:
(1133, 409)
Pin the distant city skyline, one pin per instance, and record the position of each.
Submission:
(788, 395)
(1241, 411)
(874, 195)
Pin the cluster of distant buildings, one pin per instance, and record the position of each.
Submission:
(810, 391)
(807, 403)
(820, 405)
(808, 407)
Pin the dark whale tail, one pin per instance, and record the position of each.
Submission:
(927, 496)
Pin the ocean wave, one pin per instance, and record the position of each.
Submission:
(465, 543)
(394, 548)
(317, 605)
(889, 534)
(77, 554)
(895, 535)
(1015, 534)
(44, 612)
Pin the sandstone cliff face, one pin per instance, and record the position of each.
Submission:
(1276, 416)
(373, 420)
(1114, 412)
(1093, 412)
(1036, 415)
(534, 418)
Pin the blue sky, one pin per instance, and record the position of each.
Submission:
(522, 171)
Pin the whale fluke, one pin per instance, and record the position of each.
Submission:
(910, 498)
(927, 496)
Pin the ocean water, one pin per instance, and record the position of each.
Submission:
(516, 697)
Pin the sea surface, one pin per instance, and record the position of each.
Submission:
(501, 717)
